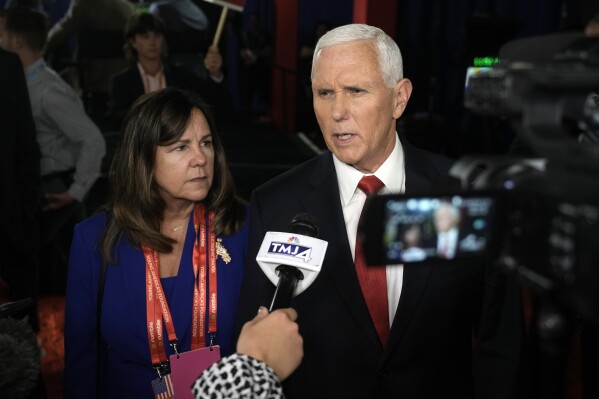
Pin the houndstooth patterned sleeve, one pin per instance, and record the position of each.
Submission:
(238, 376)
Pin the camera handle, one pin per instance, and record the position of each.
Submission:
(554, 331)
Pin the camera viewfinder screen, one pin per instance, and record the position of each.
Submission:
(441, 227)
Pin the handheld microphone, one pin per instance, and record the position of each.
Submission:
(291, 260)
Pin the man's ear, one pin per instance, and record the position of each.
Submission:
(401, 93)
(132, 44)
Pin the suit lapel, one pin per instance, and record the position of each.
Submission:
(415, 279)
(420, 174)
(324, 203)
(137, 82)
(420, 177)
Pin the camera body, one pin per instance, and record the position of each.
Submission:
(534, 216)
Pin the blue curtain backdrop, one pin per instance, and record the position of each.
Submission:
(438, 40)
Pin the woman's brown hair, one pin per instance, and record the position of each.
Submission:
(135, 207)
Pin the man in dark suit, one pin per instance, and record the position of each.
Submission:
(424, 330)
(20, 182)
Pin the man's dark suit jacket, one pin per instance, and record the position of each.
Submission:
(20, 173)
(127, 86)
(20, 183)
(430, 351)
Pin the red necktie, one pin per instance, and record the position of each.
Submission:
(373, 279)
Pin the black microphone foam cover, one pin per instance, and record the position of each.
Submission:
(305, 224)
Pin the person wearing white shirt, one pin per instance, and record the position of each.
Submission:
(447, 221)
(71, 145)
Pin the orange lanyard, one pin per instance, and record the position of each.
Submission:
(157, 309)
(201, 249)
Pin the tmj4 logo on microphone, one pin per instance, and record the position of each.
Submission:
(291, 248)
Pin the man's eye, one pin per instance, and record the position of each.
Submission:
(324, 93)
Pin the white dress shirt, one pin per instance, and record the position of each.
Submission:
(152, 82)
(66, 135)
(392, 174)
(447, 243)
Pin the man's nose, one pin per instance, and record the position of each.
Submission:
(340, 106)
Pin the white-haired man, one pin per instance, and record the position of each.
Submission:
(379, 332)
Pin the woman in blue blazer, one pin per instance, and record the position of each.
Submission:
(174, 229)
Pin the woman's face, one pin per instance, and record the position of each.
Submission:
(412, 236)
(183, 170)
(149, 45)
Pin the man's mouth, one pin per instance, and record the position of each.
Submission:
(344, 136)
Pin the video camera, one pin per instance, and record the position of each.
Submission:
(534, 216)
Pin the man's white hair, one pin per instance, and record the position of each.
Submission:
(389, 56)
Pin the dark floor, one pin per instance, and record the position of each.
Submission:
(51, 336)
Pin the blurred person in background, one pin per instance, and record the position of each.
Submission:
(146, 49)
(72, 147)
(88, 17)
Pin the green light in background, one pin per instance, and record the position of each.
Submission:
(485, 61)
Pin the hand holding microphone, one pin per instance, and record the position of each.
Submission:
(274, 339)
(292, 260)
(269, 349)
